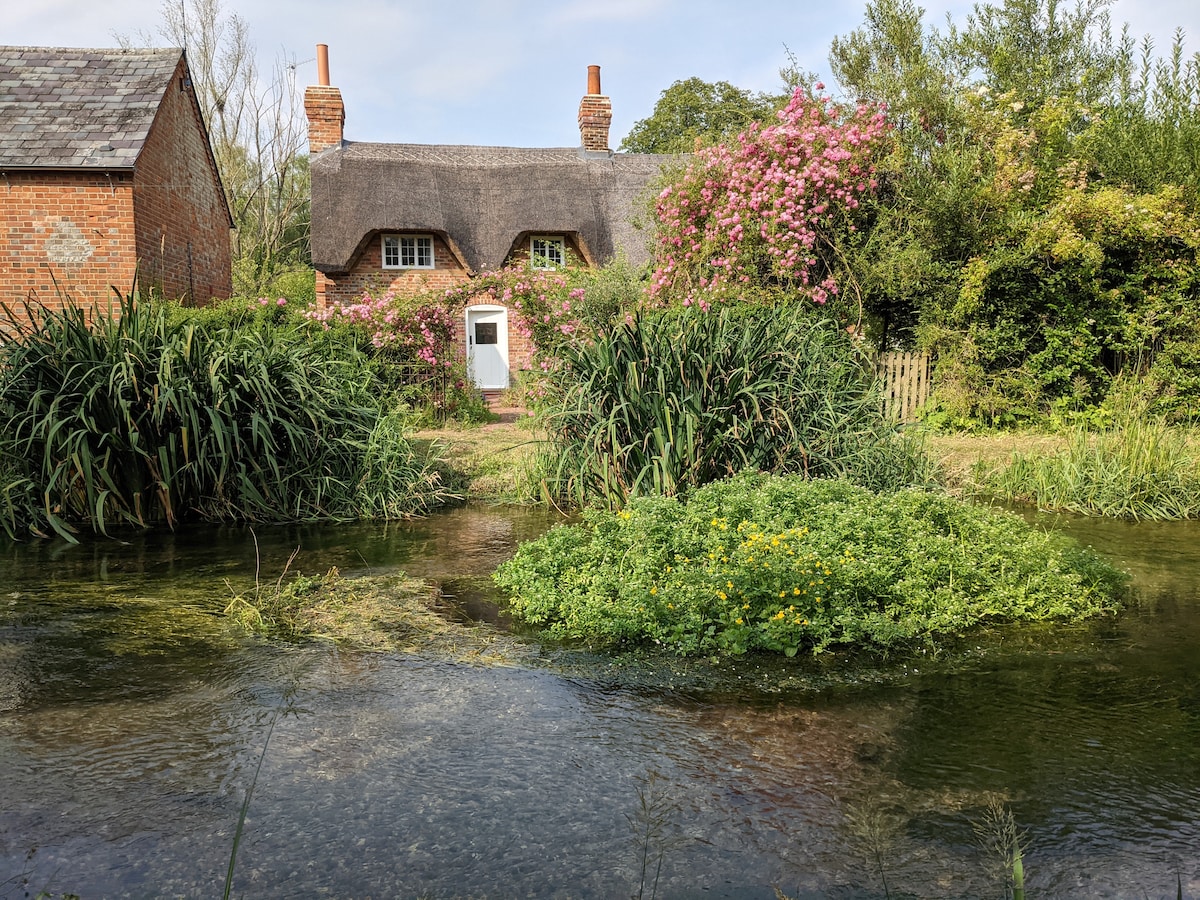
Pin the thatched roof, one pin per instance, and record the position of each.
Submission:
(481, 199)
(78, 108)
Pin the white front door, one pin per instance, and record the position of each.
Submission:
(487, 346)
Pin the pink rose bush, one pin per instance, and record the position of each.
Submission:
(765, 211)
(544, 306)
(418, 332)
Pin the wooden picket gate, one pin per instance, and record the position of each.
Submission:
(905, 380)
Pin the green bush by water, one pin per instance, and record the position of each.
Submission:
(781, 563)
(154, 417)
(682, 397)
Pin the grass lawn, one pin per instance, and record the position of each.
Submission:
(495, 462)
(957, 454)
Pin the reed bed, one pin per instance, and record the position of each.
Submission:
(1139, 468)
(144, 417)
(680, 398)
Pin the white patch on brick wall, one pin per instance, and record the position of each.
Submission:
(67, 245)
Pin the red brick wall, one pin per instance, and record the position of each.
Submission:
(368, 274)
(65, 233)
(326, 117)
(183, 240)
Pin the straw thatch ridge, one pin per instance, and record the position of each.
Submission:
(480, 199)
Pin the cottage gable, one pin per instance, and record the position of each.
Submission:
(108, 175)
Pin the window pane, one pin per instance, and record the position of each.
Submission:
(547, 253)
(485, 333)
(391, 252)
(425, 253)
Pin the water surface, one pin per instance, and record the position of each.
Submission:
(133, 719)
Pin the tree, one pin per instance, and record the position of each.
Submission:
(1021, 139)
(693, 112)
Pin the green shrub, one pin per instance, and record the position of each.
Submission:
(157, 415)
(682, 397)
(781, 563)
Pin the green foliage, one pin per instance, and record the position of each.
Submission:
(693, 113)
(1037, 220)
(677, 398)
(780, 563)
(1100, 282)
(151, 416)
(1136, 468)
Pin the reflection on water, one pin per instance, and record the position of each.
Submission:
(132, 719)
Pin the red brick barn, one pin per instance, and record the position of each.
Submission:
(417, 216)
(106, 172)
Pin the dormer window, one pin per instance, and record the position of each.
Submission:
(404, 251)
(547, 252)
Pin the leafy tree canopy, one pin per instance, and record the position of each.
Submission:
(694, 111)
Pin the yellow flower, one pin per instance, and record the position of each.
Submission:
(722, 595)
(796, 591)
(654, 590)
(738, 620)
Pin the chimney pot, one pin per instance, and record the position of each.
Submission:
(323, 65)
(593, 80)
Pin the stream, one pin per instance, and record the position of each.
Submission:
(134, 718)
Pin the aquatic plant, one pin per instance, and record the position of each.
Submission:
(1138, 467)
(781, 563)
(144, 416)
(675, 399)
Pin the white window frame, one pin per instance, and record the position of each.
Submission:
(545, 259)
(407, 251)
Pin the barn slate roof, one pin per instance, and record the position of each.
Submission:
(482, 199)
(64, 108)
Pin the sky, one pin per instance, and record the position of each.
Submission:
(504, 74)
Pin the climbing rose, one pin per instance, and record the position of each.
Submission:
(764, 210)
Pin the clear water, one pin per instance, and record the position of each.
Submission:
(132, 720)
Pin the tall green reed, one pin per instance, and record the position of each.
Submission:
(144, 417)
(1137, 468)
(680, 398)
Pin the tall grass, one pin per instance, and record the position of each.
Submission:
(1138, 468)
(145, 417)
(680, 398)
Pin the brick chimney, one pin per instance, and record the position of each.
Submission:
(595, 114)
(324, 108)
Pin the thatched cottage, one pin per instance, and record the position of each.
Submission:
(107, 171)
(395, 216)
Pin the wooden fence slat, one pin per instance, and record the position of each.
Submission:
(905, 382)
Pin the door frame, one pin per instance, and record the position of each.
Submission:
(470, 314)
